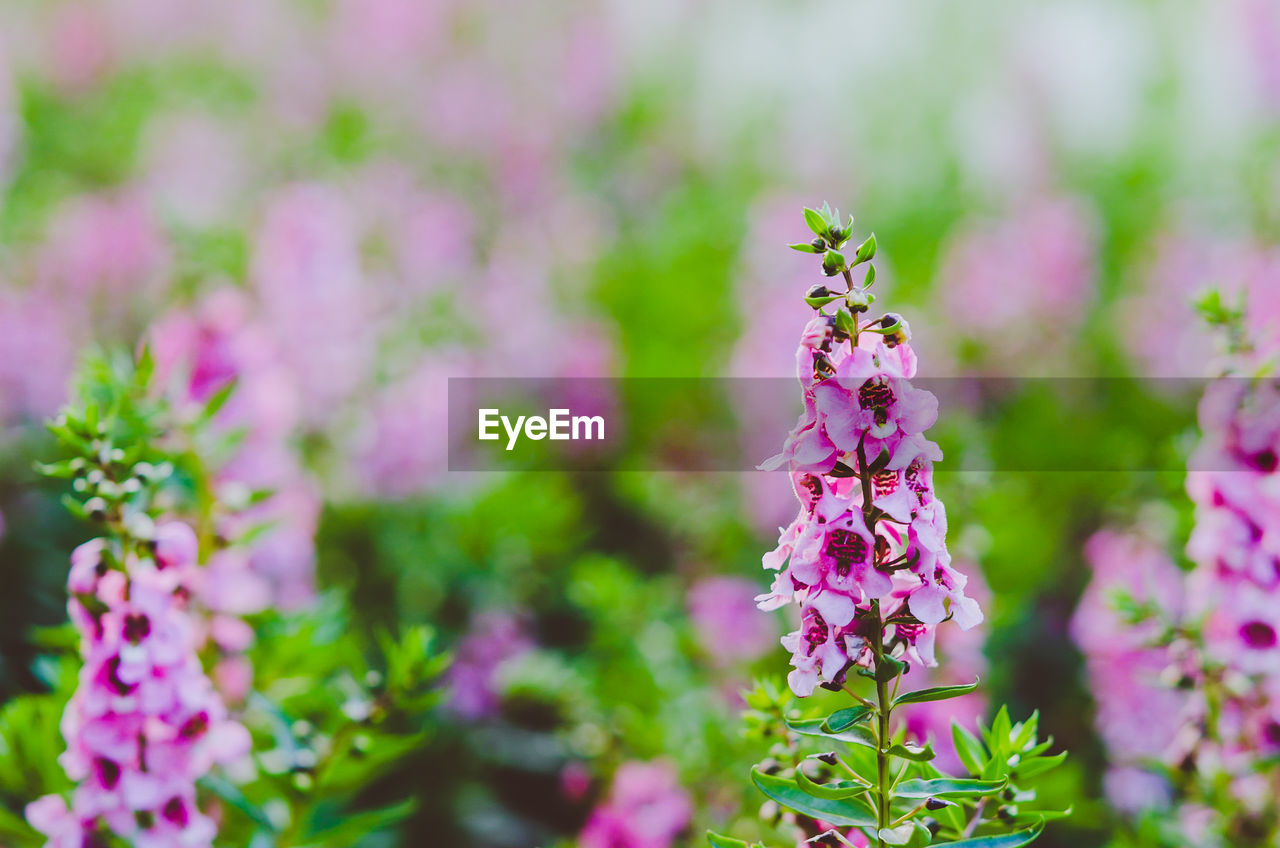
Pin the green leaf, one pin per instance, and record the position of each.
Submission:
(919, 755)
(866, 250)
(805, 247)
(938, 693)
(889, 668)
(64, 469)
(869, 280)
(854, 734)
(832, 263)
(816, 222)
(844, 321)
(948, 787)
(845, 813)
(1039, 765)
(968, 748)
(718, 841)
(899, 835)
(842, 719)
(1004, 840)
(837, 791)
(218, 400)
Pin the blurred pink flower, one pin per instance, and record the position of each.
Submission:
(104, 247)
(495, 638)
(1160, 325)
(401, 447)
(80, 51)
(1018, 284)
(646, 808)
(199, 352)
(729, 627)
(1138, 714)
(1260, 32)
(195, 168)
(306, 270)
(37, 353)
(144, 723)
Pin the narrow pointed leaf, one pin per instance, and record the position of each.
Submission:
(837, 791)
(918, 755)
(718, 841)
(816, 222)
(938, 693)
(1030, 768)
(854, 734)
(844, 813)
(842, 719)
(804, 247)
(1004, 840)
(947, 787)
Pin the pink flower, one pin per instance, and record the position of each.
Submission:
(495, 638)
(646, 808)
(144, 723)
(724, 614)
(860, 546)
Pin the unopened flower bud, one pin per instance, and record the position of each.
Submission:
(895, 329)
(96, 508)
(820, 296)
(860, 300)
(937, 804)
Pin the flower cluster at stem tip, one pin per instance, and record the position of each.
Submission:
(866, 556)
(145, 722)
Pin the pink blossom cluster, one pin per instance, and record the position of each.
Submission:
(646, 808)
(1186, 668)
(198, 353)
(1160, 327)
(366, 280)
(1015, 286)
(961, 661)
(100, 262)
(473, 679)
(868, 546)
(145, 722)
(1235, 586)
(1139, 715)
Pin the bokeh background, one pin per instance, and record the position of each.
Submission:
(363, 198)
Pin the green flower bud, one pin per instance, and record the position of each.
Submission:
(819, 296)
(832, 263)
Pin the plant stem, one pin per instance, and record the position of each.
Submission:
(883, 709)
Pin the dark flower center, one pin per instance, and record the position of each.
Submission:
(1258, 635)
(813, 486)
(875, 394)
(846, 548)
(917, 479)
(108, 772)
(884, 482)
(816, 633)
(113, 677)
(1266, 460)
(195, 726)
(176, 812)
(136, 627)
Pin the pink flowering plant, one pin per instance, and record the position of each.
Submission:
(1203, 646)
(185, 724)
(866, 563)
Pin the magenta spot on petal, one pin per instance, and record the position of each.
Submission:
(1258, 635)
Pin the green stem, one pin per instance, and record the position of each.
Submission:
(884, 707)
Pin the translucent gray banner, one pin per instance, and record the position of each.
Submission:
(732, 424)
